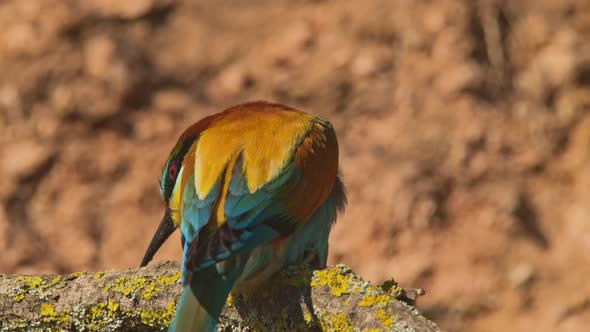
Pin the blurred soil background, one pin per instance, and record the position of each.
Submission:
(464, 129)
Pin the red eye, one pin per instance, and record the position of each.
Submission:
(172, 171)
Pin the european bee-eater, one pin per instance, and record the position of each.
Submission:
(253, 189)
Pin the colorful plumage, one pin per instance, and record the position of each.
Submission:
(253, 189)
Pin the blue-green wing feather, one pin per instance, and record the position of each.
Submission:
(252, 219)
(240, 203)
(196, 213)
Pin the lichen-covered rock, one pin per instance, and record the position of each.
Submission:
(143, 299)
(334, 299)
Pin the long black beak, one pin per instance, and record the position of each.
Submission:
(162, 234)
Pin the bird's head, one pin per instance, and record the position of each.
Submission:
(172, 169)
(169, 181)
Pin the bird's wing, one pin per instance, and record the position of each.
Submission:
(231, 219)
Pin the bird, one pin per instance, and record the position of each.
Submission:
(253, 189)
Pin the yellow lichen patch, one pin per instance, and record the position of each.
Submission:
(150, 291)
(98, 275)
(337, 282)
(171, 308)
(229, 301)
(106, 316)
(55, 281)
(379, 301)
(370, 330)
(386, 317)
(97, 311)
(307, 317)
(27, 283)
(371, 289)
(19, 297)
(335, 322)
(128, 285)
(33, 285)
(18, 323)
(390, 286)
(112, 307)
(169, 279)
(30, 281)
(47, 310)
(152, 317)
(98, 317)
(50, 316)
(77, 274)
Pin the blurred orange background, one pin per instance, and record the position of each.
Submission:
(464, 129)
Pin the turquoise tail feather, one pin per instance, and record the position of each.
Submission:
(190, 315)
(201, 301)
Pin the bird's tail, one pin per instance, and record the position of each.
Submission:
(201, 302)
(191, 316)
